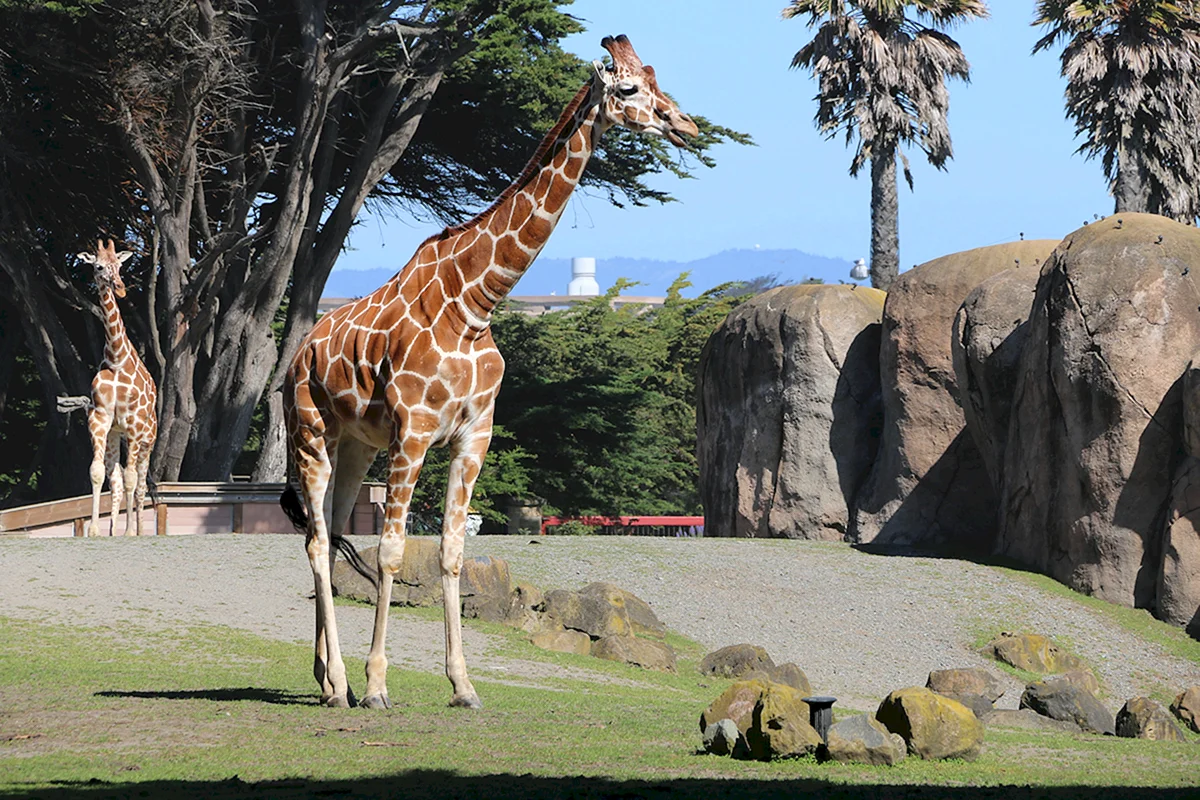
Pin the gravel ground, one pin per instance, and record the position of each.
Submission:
(859, 625)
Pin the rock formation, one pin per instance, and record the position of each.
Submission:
(1096, 418)
(929, 486)
(789, 413)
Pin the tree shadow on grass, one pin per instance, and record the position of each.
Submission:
(254, 694)
(439, 784)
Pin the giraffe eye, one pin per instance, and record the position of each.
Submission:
(627, 90)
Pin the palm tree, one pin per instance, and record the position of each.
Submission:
(881, 68)
(1133, 89)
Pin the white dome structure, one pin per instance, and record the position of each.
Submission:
(583, 278)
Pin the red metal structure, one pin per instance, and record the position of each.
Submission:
(635, 525)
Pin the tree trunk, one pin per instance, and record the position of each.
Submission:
(885, 219)
(272, 459)
(1131, 187)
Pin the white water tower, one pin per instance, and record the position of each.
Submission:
(583, 278)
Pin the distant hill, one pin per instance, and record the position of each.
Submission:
(551, 275)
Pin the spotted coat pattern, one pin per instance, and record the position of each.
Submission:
(123, 405)
(413, 365)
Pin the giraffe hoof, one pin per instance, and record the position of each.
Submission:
(339, 700)
(466, 701)
(375, 701)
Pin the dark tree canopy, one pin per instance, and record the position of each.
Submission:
(232, 145)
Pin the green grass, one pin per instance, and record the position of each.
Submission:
(215, 712)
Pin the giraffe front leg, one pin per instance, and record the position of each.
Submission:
(99, 424)
(464, 471)
(402, 477)
(116, 479)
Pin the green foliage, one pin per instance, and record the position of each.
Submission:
(505, 475)
(603, 399)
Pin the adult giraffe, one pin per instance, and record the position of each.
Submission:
(413, 365)
(123, 398)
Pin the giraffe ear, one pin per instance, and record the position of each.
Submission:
(123, 256)
(87, 258)
(603, 74)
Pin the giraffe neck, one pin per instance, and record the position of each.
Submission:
(116, 344)
(505, 239)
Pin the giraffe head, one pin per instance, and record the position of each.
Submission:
(108, 266)
(632, 98)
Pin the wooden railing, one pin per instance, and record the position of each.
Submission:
(181, 508)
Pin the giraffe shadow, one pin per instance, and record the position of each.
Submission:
(230, 694)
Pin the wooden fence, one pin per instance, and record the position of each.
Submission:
(186, 508)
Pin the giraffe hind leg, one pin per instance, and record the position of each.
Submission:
(316, 465)
(464, 471)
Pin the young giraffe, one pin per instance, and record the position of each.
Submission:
(123, 396)
(414, 365)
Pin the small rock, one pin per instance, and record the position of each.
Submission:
(723, 738)
(1187, 708)
(735, 661)
(933, 726)
(1059, 699)
(636, 651)
(971, 681)
(862, 739)
(1142, 718)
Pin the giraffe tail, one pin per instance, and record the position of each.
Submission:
(294, 509)
(68, 403)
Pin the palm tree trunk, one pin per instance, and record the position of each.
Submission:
(1131, 189)
(885, 219)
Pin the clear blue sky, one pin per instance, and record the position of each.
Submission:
(1014, 169)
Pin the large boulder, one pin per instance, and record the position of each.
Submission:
(563, 641)
(735, 661)
(966, 681)
(929, 486)
(789, 413)
(1031, 652)
(1142, 718)
(788, 674)
(601, 610)
(739, 701)
(1186, 707)
(418, 583)
(1063, 700)
(636, 651)
(1096, 421)
(1026, 719)
(862, 739)
(779, 725)
(933, 726)
(1178, 588)
(988, 335)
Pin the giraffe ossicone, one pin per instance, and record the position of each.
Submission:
(123, 404)
(413, 365)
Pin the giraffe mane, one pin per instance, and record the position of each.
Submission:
(532, 167)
